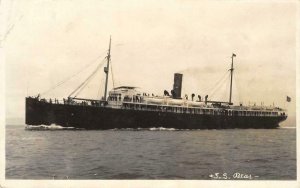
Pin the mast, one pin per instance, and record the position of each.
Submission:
(106, 69)
(231, 74)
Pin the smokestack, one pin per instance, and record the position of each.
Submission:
(177, 86)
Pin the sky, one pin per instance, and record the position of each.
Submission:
(47, 41)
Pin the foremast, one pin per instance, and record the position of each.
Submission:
(106, 69)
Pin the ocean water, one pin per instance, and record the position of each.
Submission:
(151, 154)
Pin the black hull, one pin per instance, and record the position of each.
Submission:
(91, 117)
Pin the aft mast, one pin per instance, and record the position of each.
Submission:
(231, 74)
(106, 69)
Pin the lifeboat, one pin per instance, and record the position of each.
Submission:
(177, 102)
(154, 100)
(195, 104)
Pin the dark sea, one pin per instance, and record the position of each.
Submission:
(151, 154)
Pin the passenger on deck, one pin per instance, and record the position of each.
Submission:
(199, 97)
(193, 95)
(206, 99)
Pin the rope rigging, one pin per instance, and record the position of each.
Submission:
(222, 96)
(112, 74)
(86, 81)
(209, 88)
(72, 76)
(218, 86)
(99, 89)
(236, 80)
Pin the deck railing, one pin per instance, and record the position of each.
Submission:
(207, 110)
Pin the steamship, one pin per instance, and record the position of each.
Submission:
(127, 107)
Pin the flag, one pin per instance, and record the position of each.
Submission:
(233, 55)
(288, 99)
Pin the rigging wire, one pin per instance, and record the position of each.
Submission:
(73, 75)
(215, 93)
(84, 86)
(218, 85)
(210, 87)
(223, 96)
(101, 84)
(112, 75)
(75, 95)
(92, 76)
(236, 80)
(83, 83)
(227, 89)
(212, 93)
(86, 80)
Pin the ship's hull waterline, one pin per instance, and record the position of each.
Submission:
(91, 117)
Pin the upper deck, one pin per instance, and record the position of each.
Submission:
(187, 107)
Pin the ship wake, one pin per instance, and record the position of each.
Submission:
(287, 127)
(48, 127)
(162, 129)
(147, 129)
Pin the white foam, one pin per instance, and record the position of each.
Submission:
(47, 127)
(147, 129)
(162, 129)
(287, 127)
